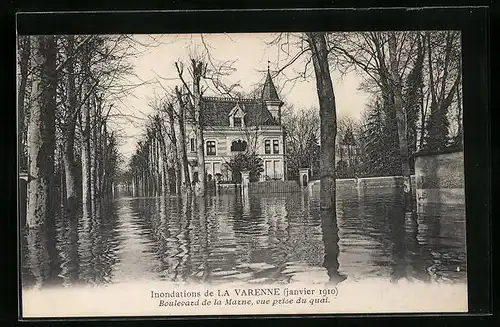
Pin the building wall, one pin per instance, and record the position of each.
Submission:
(274, 164)
(440, 178)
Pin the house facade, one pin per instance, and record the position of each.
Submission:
(232, 126)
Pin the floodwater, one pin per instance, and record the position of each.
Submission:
(274, 238)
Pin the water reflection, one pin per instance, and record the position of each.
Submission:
(330, 231)
(248, 238)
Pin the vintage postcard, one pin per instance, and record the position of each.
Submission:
(236, 174)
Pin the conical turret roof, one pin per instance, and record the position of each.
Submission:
(269, 90)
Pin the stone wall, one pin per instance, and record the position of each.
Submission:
(440, 178)
(364, 183)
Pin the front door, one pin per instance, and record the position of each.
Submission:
(269, 169)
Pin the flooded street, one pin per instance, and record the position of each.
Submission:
(275, 238)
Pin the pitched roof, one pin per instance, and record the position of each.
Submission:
(269, 90)
(216, 111)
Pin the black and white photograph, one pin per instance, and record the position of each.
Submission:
(241, 173)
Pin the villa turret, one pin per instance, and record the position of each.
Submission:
(271, 99)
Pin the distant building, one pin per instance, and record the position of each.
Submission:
(347, 155)
(232, 126)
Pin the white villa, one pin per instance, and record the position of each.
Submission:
(232, 126)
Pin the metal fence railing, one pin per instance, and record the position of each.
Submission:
(274, 186)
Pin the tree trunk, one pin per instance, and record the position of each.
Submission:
(423, 116)
(85, 156)
(70, 171)
(200, 146)
(165, 182)
(69, 130)
(401, 120)
(328, 120)
(459, 117)
(330, 236)
(157, 167)
(182, 131)
(93, 155)
(24, 48)
(105, 184)
(41, 135)
(173, 138)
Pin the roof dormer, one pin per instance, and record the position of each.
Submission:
(236, 117)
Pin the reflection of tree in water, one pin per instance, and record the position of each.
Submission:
(152, 220)
(364, 232)
(39, 260)
(42, 254)
(330, 231)
(183, 269)
(27, 277)
(69, 248)
(429, 239)
(249, 228)
(396, 219)
(163, 234)
(201, 241)
(278, 250)
(98, 242)
(303, 231)
(410, 236)
(175, 245)
(417, 256)
(166, 241)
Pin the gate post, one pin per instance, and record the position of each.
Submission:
(245, 178)
(304, 176)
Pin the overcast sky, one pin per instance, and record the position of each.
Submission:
(250, 53)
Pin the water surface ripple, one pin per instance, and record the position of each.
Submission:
(275, 238)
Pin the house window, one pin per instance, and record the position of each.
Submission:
(210, 148)
(191, 145)
(267, 147)
(237, 121)
(238, 146)
(276, 147)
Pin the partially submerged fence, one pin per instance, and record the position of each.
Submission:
(365, 183)
(273, 187)
(290, 186)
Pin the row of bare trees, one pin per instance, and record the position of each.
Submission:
(67, 86)
(414, 77)
(429, 67)
(160, 164)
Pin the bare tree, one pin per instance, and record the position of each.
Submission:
(159, 133)
(400, 118)
(85, 132)
(197, 70)
(296, 46)
(69, 127)
(301, 127)
(170, 112)
(41, 133)
(24, 50)
(182, 105)
(444, 78)
(328, 118)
